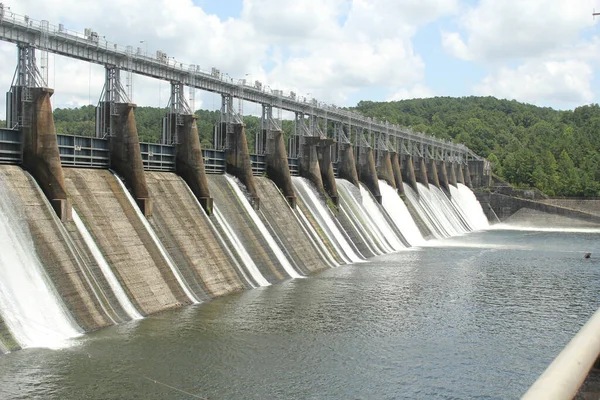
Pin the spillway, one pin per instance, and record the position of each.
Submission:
(467, 203)
(30, 306)
(250, 233)
(279, 218)
(324, 221)
(400, 215)
(187, 234)
(124, 240)
(367, 218)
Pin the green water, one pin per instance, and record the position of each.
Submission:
(474, 317)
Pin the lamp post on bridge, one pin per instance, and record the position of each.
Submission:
(146, 43)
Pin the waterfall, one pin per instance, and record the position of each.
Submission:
(263, 230)
(444, 205)
(110, 277)
(159, 245)
(367, 213)
(31, 309)
(310, 198)
(400, 215)
(470, 207)
(239, 248)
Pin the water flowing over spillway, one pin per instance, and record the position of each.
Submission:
(367, 217)
(317, 209)
(467, 203)
(29, 305)
(400, 215)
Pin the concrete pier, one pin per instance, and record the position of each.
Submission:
(397, 171)
(40, 152)
(421, 172)
(278, 169)
(125, 155)
(408, 172)
(347, 165)
(367, 172)
(326, 167)
(309, 163)
(443, 175)
(480, 173)
(238, 161)
(432, 172)
(467, 176)
(460, 176)
(189, 163)
(385, 170)
(452, 176)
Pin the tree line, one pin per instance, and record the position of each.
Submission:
(557, 152)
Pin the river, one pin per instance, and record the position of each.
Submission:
(477, 316)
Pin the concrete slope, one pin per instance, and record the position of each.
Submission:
(240, 221)
(184, 229)
(65, 269)
(280, 220)
(122, 238)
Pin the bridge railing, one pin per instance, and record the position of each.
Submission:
(563, 378)
(10, 146)
(83, 151)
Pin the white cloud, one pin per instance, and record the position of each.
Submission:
(418, 91)
(499, 30)
(566, 83)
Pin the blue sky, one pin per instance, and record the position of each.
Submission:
(342, 51)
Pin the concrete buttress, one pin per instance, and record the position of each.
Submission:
(309, 163)
(125, 155)
(432, 173)
(278, 169)
(394, 158)
(443, 175)
(40, 152)
(326, 167)
(385, 170)
(452, 176)
(460, 176)
(422, 172)
(467, 175)
(347, 165)
(367, 172)
(238, 161)
(409, 172)
(189, 163)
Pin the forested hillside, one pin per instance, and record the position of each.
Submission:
(557, 152)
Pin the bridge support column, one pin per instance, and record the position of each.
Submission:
(40, 151)
(367, 172)
(385, 170)
(421, 172)
(125, 155)
(189, 163)
(238, 161)
(278, 169)
(460, 176)
(432, 173)
(443, 175)
(452, 176)
(397, 171)
(309, 163)
(326, 167)
(347, 165)
(408, 171)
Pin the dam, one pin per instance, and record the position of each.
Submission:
(162, 269)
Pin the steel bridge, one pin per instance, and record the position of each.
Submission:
(348, 126)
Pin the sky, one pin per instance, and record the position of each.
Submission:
(339, 51)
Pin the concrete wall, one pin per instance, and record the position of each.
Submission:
(421, 171)
(189, 163)
(460, 176)
(432, 172)
(278, 169)
(451, 169)
(591, 206)
(125, 155)
(238, 161)
(367, 172)
(467, 176)
(326, 167)
(480, 173)
(40, 152)
(443, 175)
